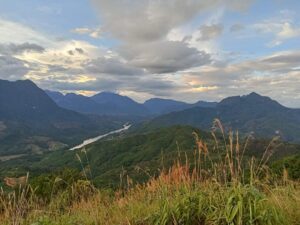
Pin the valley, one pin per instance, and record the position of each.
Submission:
(36, 137)
(109, 142)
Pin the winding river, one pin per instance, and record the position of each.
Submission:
(91, 140)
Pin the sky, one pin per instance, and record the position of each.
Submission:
(185, 50)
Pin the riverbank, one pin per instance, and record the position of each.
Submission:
(91, 140)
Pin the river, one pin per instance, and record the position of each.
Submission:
(91, 140)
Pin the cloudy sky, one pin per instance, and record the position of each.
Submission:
(186, 50)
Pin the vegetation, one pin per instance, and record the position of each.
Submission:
(199, 190)
(291, 164)
(139, 156)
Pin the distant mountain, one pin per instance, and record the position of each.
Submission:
(107, 103)
(161, 106)
(117, 104)
(78, 103)
(104, 103)
(55, 95)
(250, 113)
(31, 121)
(204, 104)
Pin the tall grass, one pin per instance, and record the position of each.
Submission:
(217, 186)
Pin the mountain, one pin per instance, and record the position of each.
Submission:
(104, 103)
(107, 103)
(162, 106)
(31, 121)
(56, 96)
(250, 113)
(204, 104)
(117, 104)
(23, 100)
(78, 103)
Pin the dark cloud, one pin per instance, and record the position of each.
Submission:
(14, 49)
(62, 72)
(12, 68)
(111, 66)
(79, 50)
(155, 86)
(70, 52)
(164, 56)
(142, 27)
(147, 20)
(151, 20)
(151, 85)
(287, 59)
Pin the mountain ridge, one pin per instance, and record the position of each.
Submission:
(110, 103)
(248, 113)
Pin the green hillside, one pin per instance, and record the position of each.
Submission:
(136, 155)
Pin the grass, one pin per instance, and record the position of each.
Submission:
(203, 191)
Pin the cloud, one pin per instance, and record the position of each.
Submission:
(79, 50)
(239, 5)
(92, 32)
(12, 68)
(15, 49)
(19, 33)
(282, 61)
(237, 27)
(151, 20)
(159, 53)
(276, 75)
(209, 32)
(288, 31)
(66, 81)
(164, 56)
(145, 20)
(111, 66)
(143, 29)
(281, 31)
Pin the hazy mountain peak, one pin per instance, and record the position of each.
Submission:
(104, 97)
(163, 100)
(251, 100)
(253, 94)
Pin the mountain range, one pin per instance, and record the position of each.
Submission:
(36, 126)
(33, 120)
(251, 113)
(107, 103)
